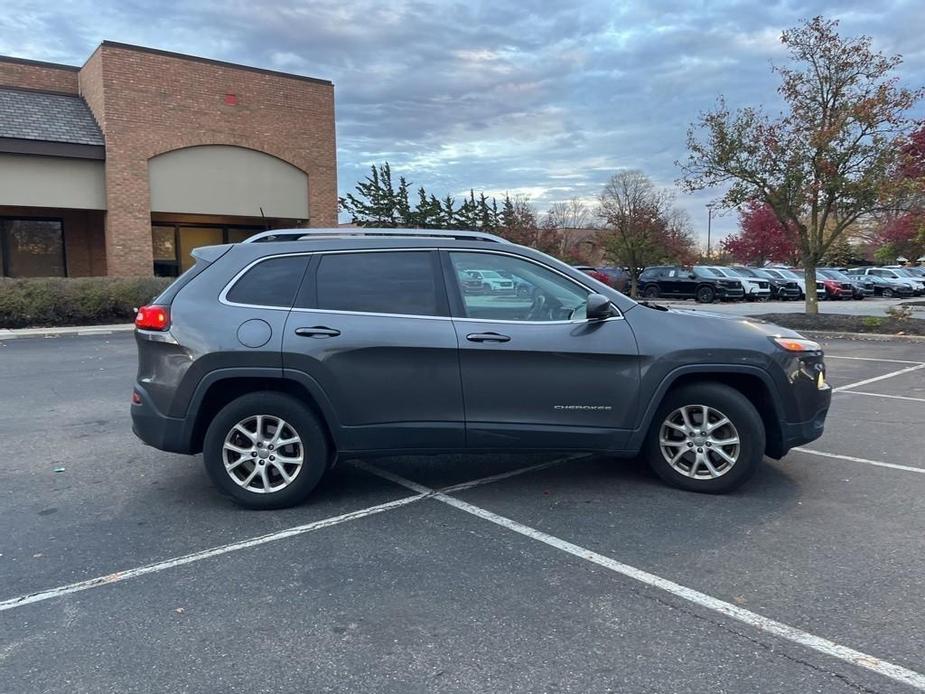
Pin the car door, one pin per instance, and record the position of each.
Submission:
(370, 331)
(685, 285)
(534, 372)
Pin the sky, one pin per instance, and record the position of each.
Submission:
(540, 99)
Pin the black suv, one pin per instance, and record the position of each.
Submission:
(674, 281)
(275, 356)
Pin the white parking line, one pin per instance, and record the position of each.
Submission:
(779, 629)
(125, 575)
(850, 458)
(512, 473)
(882, 395)
(205, 554)
(892, 374)
(891, 361)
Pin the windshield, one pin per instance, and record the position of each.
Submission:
(746, 272)
(708, 271)
(834, 274)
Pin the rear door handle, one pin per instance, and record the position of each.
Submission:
(317, 331)
(487, 337)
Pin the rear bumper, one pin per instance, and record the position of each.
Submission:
(157, 429)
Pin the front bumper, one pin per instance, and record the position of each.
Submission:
(171, 434)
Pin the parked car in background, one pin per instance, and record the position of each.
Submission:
(619, 277)
(786, 275)
(916, 284)
(834, 289)
(820, 287)
(487, 281)
(782, 289)
(755, 289)
(858, 288)
(885, 286)
(595, 273)
(675, 281)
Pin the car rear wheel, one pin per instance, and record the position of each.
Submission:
(705, 437)
(265, 450)
(706, 295)
(650, 292)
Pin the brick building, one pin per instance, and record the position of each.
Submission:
(124, 165)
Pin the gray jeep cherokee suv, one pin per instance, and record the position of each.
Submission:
(277, 355)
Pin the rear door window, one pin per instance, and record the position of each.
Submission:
(272, 282)
(395, 282)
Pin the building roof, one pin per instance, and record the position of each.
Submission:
(30, 115)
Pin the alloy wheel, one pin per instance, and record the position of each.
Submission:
(263, 453)
(699, 442)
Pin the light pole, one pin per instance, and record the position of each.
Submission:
(709, 225)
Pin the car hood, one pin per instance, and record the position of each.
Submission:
(729, 323)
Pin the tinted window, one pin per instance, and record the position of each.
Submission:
(272, 282)
(389, 282)
(31, 248)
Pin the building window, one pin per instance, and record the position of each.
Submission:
(173, 243)
(32, 248)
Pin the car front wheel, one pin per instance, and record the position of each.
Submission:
(706, 437)
(650, 292)
(706, 295)
(265, 450)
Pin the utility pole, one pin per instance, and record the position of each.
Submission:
(709, 225)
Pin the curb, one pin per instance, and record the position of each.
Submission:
(873, 337)
(81, 330)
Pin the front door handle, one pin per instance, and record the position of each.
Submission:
(487, 337)
(317, 331)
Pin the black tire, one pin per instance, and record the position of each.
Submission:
(315, 450)
(650, 292)
(888, 293)
(706, 294)
(740, 412)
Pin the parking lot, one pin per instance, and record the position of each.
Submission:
(122, 570)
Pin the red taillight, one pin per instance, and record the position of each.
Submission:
(136, 398)
(152, 318)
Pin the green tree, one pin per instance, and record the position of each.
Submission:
(826, 161)
(377, 202)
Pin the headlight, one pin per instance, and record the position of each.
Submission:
(797, 344)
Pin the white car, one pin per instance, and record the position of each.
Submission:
(916, 284)
(491, 281)
(756, 289)
(785, 274)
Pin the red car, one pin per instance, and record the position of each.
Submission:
(595, 273)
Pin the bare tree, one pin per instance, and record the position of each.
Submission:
(573, 214)
(642, 227)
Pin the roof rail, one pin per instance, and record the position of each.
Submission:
(364, 232)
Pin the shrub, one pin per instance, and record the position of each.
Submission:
(872, 322)
(54, 301)
(900, 313)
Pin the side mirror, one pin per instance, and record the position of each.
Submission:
(598, 307)
(691, 276)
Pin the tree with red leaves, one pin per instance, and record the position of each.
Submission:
(762, 238)
(901, 229)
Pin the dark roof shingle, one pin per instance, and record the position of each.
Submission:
(48, 117)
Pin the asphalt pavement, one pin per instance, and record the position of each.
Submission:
(122, 570)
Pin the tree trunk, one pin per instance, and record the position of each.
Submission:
(809, 273)
(634, 285)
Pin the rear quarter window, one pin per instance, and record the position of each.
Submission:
(272, 282)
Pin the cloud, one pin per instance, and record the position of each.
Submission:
(527, 96)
